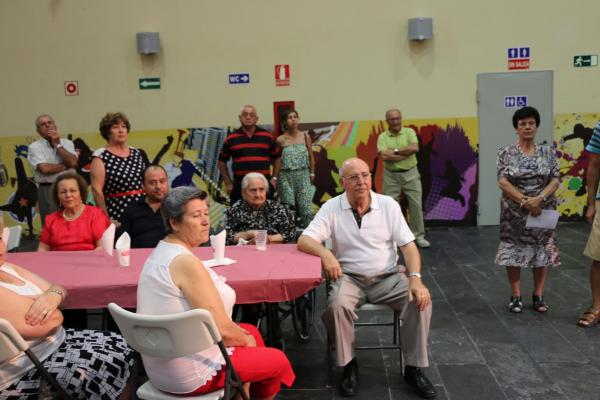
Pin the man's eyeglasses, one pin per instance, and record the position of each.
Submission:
(248, 114)
(357, 177)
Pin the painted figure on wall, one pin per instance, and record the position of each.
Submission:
(23, 201)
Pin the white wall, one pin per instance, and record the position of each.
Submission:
(350, 59)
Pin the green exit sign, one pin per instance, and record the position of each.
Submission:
(149, 83)
(585, 61)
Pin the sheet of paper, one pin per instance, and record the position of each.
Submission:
(215, 263)
(546, 220)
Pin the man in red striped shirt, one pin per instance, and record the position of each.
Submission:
(251, 149)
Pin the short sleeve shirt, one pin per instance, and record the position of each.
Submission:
(593, 147)
(390, 141)
(249, 153)
(79, 234)
(366, 250)
(41, 151)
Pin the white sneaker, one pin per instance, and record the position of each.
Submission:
(423, 243)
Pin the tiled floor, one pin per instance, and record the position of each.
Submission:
(478, 350)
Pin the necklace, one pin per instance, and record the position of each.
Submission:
(74, 216)
(535, 147)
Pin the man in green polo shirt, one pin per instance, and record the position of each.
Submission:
(397, 148)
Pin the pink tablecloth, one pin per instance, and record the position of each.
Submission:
(94, 279)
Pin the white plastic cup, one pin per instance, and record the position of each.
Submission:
(123, 257)
(260, 238)
(218, 245)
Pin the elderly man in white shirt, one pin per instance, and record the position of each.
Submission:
(50, 156)
(366, 228)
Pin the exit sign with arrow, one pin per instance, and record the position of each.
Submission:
(149, 83)
(585, 61)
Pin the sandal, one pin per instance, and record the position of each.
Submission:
(539, 305)
(515, 305)
(589, 318)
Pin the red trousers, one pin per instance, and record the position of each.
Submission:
(264, 367)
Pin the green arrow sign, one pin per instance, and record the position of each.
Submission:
(149, 83)
(585, 61)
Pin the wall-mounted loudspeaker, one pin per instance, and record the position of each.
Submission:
(420, 28)
(148, 42)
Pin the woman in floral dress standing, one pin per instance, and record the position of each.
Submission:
(528, 177)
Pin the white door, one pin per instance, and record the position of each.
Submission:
(499, 95)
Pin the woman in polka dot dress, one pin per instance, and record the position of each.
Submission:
(116, 169)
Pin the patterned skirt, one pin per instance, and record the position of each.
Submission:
(88, 365)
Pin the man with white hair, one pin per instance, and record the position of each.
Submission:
(366, 228)
(251, 148)
(49, 156)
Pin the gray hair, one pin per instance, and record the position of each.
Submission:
(37, 120)
(387, 113)
(248, 106)
(254, 175)
(172, 206)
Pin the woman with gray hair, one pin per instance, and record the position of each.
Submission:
(256, 212)
(174, 280)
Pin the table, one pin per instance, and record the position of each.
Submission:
(93, 279)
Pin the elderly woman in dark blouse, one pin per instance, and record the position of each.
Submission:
(255, 212)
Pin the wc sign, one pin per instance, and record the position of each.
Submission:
(282, 75)
(519, 58)
(515, 101)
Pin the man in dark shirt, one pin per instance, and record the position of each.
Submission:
(142, 220)
(251, 149)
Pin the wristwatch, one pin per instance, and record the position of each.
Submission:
(417, 274)
(58, 146)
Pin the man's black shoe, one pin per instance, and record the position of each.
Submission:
(417, 379)
(349, 383)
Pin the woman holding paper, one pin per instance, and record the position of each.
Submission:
(528, 177)
(174, 280)
(76, 225)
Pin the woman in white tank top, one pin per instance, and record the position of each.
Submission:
(32, 306)
(174, 280)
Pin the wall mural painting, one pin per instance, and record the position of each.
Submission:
(447, 164)
(572, 132)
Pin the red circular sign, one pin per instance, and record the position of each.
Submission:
(71, 88)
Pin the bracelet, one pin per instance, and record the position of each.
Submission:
(274, 178)
(58, 292)
(417, 274)
(544, 198)
(312, 174)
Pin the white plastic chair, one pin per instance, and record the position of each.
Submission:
(175, 335)
(12, 343)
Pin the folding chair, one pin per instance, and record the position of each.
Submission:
(175, 335)
(396, 344)
(12, 343)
